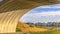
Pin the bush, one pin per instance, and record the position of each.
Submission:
(18, 30)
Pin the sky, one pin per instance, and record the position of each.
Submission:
(47, 13)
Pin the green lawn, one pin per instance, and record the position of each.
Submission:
(47, 32)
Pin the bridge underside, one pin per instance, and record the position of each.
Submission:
(12, 10)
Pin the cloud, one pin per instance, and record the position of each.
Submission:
(45, 13)
(46, 8)
(42, 17)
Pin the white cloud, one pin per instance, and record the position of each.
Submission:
(42, 17)
(36, 14)
(44, 13)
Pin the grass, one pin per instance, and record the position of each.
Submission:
(35, 30)
(56, 32)
(18, 30)
(47, 32)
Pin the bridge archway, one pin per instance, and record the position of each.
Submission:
(12, 10)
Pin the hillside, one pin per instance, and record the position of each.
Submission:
(26, 28)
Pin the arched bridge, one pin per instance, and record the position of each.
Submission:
(12, 10)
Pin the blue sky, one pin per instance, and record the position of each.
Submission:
(47, 13)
